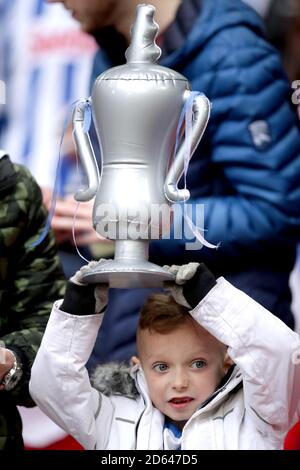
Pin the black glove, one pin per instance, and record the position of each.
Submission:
(85, 299)
(193, 281)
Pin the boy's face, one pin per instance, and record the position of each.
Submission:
(182, 368)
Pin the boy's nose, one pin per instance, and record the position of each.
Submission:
(180, 381)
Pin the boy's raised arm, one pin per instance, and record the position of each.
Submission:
(264, 348)
(59, 382)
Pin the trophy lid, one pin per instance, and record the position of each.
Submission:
(143, 48)
(143, 53)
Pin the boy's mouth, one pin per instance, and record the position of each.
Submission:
(180, 402)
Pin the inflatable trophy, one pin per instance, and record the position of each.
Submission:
(136, 110)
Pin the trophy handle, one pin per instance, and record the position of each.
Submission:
(201, 111)
(86, 155)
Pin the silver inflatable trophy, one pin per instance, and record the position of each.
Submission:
(136, 109)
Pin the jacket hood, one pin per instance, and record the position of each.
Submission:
(2, 153)
(114, 379)
(211, 18)
(8, 176)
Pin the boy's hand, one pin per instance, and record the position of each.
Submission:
(193, 281)
(77, 278)
(85, 299)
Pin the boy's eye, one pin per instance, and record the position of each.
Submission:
(160, 367)
(198, 364)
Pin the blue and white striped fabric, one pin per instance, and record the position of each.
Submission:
(47, 65)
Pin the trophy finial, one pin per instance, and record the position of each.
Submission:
(143, 48)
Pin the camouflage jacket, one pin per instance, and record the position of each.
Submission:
(30, 280)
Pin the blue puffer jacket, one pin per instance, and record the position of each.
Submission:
(246, 170)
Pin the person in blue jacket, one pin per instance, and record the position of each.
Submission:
(246, 170)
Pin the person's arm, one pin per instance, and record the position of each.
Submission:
(264, 348)
(62, 222)
(34, 276)
(59, 382)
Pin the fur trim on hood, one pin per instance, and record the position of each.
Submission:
(114, 379)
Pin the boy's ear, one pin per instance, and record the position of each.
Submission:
(227, 362)
(134, 361)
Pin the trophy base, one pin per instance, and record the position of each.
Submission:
(128, 274)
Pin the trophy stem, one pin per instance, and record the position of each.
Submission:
(130, 268)
(132, 249)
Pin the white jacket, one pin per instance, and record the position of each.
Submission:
(253, 410)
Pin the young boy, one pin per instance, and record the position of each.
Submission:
(219, 374)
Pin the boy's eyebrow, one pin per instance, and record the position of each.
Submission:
(162, 358)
